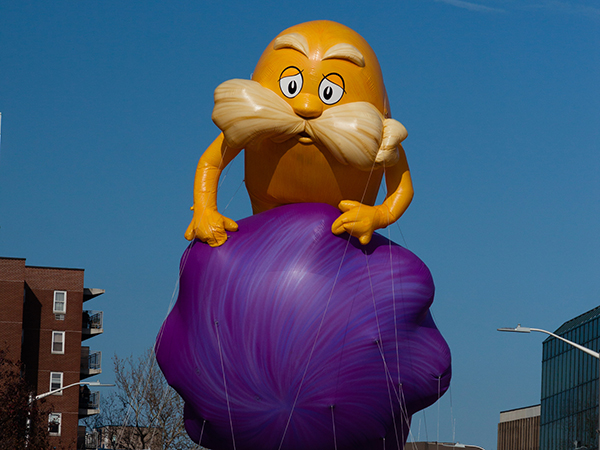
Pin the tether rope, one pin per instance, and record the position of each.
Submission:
(401, 399)
(173, 297)
(166, 390)
(389, 379)
(312, 350)
(333, 425)
(324, 314)
(225, 384)
(202, 432)
(137, 397)
(438, 408)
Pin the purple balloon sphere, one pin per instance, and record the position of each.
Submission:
(289, 337)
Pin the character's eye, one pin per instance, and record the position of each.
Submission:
(291, 85)
(330, 92)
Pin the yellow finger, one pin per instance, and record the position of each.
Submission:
(366, 238)
(230, 225)
(346, 205)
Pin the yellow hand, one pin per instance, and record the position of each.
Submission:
(360, 220)
(209, 226)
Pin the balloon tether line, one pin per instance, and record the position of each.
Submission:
(162, 402)
(225, 383)
(438, 407)
(202, 432)
(312, 350)
(186, 254)
(333, 425)
(389, 378)
(323, 317)
(136, 393)
(401, 399)
(183, 264)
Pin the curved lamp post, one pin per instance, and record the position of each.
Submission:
(520, 329)
(46, 394)
(80, 383)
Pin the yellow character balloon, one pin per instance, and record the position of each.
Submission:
(315, 125)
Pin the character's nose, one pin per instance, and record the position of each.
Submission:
(307, 106)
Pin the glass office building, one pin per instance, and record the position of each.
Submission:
(569, 400)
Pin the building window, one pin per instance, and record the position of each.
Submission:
(58, 342)
(54, 422)
(60, 302)
(56, 382)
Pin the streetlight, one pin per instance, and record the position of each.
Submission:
(459, 445)
(88, 383)
(46, 394)
(520, 329)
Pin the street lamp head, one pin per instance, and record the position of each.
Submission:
(518, 329)
(96, 383)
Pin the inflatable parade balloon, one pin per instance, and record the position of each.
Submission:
(291, 337)
(300, 327)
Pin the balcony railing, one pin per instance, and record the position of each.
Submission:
(92, 319)
(89, 402)
(91, 363)
(92, 324)
(95, 361)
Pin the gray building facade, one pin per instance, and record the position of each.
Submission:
(569, 397)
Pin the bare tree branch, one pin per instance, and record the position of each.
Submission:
(143, 411)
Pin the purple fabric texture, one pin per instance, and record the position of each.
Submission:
(289, 337)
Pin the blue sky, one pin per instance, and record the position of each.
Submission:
(106, 109)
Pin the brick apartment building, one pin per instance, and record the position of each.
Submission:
(43, 324)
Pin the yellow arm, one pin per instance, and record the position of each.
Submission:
(361, 220)
(207, 224)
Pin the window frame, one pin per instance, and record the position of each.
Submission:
(55, 333)
(58, 416)
(61, 375)
(60, 311)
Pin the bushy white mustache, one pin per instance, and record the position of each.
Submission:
(354, 133)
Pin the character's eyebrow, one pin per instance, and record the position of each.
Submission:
(347, 52)
(343, 86)
(292, 40)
